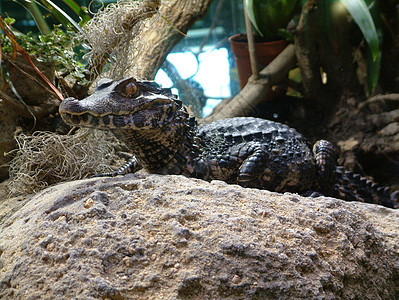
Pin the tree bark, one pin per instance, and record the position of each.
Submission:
(160, 38)
(306, 51)
(327, 43)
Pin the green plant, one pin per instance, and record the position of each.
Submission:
(63, 18)
(366, 14)
(270, 17)
(54, 48)
(16, 47)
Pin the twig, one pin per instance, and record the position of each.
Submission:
(17, 47)
(31, 77)
(251, 44)
(15, 103)
(378, 98)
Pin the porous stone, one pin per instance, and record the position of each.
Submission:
(171, 237)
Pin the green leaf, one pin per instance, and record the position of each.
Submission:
(60, 15)
(373, 70)
(79, 10)
(34, 10)
(9, 20)
(373, 66)
(251, 14)
(361, 15)
(268, 16)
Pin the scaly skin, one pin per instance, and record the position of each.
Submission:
(252, 152)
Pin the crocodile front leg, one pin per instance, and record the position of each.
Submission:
(253, 167)
(242, 164)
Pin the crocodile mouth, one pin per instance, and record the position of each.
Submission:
(76, 115)
(89, 120)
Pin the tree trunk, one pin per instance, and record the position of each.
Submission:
(327, 43)
(307, 53)
(160, 37)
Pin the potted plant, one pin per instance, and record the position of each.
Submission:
(269, 19)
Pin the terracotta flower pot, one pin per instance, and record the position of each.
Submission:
(265, 53)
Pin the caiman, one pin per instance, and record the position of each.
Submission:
(251, 152)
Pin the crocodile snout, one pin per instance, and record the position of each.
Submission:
(71, 106)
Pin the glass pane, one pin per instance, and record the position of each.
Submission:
(205, 57)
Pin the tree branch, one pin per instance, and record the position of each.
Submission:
(256, 90)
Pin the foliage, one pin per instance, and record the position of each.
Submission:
(367, 17)
(361, 15)
(54, 48)
(269, 17)
(17, 48)
(62, 17)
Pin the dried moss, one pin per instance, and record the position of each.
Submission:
(45, 158)
(115, 32)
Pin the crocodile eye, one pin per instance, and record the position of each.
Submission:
(130, 89)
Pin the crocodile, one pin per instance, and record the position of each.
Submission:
(251, 152)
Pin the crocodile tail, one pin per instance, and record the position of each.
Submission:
(353, 187)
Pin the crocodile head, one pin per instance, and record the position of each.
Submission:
(124, 104)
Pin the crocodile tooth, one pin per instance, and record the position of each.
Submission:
(84, 118)
(356, 177)
(340, 169)
(75, 119)
(374, 186)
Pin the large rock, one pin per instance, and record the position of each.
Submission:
(170, 237)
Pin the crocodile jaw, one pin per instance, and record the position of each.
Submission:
(154, 112)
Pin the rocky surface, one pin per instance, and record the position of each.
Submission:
(170, 237)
